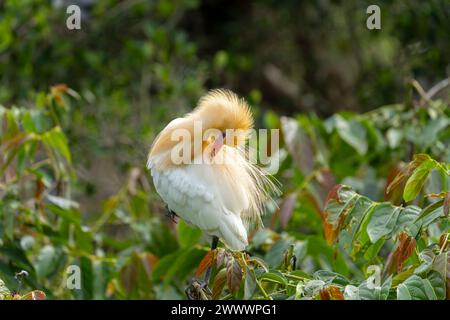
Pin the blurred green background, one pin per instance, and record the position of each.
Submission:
(137, 64)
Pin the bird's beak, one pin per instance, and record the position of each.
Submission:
(216, 145)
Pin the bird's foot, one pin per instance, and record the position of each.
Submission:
(198, 290)
(171, 215)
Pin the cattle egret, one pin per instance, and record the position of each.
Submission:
(223, 198)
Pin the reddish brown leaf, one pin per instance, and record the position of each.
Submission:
(447, 204)
(148, 262)
(325, 183)
(444, 241)
(220, 257)
(331, 230)
(398, 176)
(404, 250)
(40, 187)
(331, 293)
(219, 283)
(33, 295)
(38, 295)
(110, 289)
(287, 208)
(60, 87)
(234, 275)
(129, 275)
(395, 183)
(206, 262)
(333, 194)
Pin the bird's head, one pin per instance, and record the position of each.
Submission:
(220, 119)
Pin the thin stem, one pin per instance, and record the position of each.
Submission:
(263, 291)
(444, 244)
(294, 277)
(276, 282)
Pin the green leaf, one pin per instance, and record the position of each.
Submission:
(27, 122)
(87, 279)
(330, 277)
(374, 293)
(431, 131)
(431, 213)
(63, 203)
(383, 221)
(46, 261)
(417, 179)
(188, 235)
(56, 139)
(441, 264)
(417, 288)
(352, 132)
(275, 255)
(67, 214)
(426, 257)
(406, 219)
(250, 284)
(274, 277)
(178, 264)
(163, 265)
(4, 291)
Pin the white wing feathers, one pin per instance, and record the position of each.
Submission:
(194, 194)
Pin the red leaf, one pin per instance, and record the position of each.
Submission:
(404, 250)
(333, 194)
(33, 295)
(331, 230)
(331, 293)
(206, 262)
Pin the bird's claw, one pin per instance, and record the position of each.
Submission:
(198, 290)
(171, 215)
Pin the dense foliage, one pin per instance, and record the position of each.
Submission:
(315, 245)
(364, 212)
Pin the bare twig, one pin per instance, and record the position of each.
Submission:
(438, 87)
(423, 95)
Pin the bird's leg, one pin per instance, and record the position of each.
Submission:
(215, 241)
(198, 289)
(294, 262)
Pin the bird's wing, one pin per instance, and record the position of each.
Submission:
(192, 193)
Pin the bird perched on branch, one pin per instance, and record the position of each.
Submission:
(201, 171)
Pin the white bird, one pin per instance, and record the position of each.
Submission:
(224, 197)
